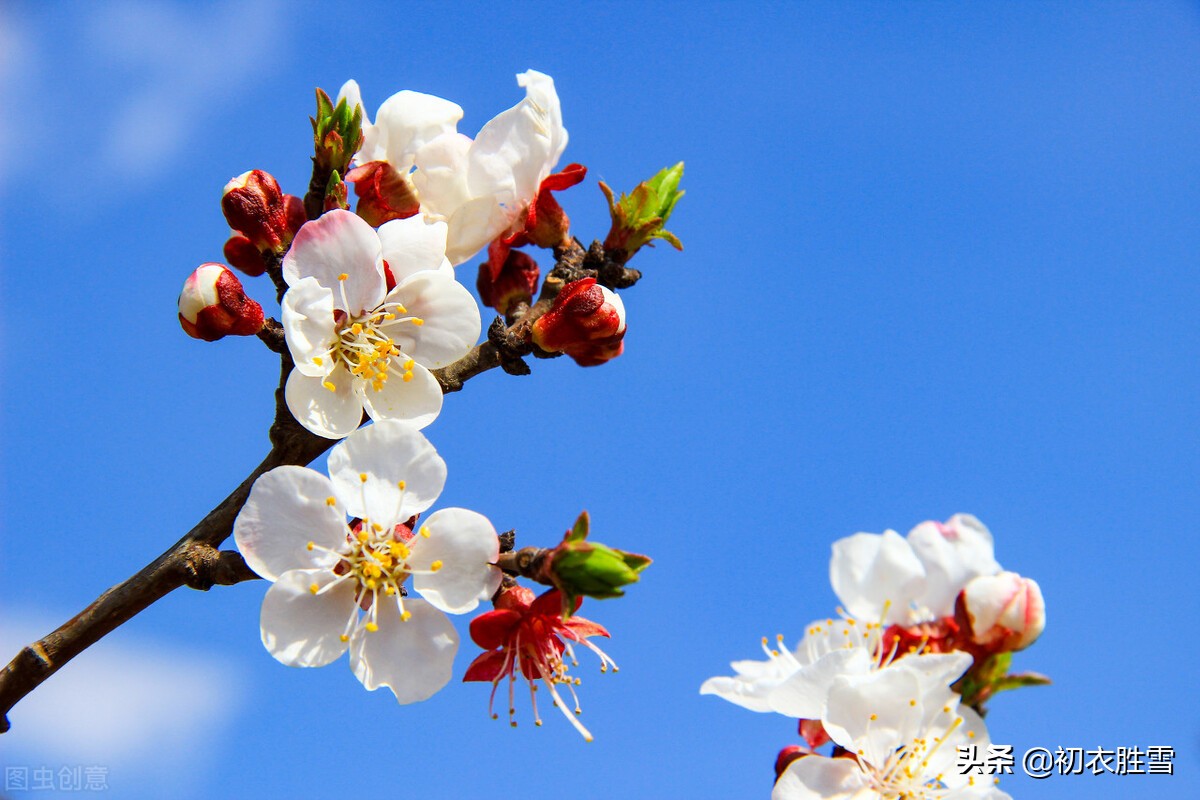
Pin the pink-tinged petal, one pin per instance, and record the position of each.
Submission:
(872, 572)
(416, 402)
(491, 629)
(412, 245)
(386, 453)
(288, 508)
(487, 667)
(339, 243)
(952, 553)
(465, 546)
(308, 327)
(549, 604)
(301, 628)
(330, 413)
(821, 778)
(409, 120)
(449, 313)
(413, 658)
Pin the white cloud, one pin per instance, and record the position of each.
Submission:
(185, 57)
(118, 704)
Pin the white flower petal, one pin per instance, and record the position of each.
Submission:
(387, 453)
(336, 243)
(332, 414)
(414, 659)
(413, 244)
(287, 508)
(474, 225)
(308, 326)
(821, 778)
(520, 146)
(952, 554)
(875, 713)
(451, 317)
(409, 120)
(870, 572)
(467, 546)
(303, 629)
(802, 695)
(416, 402)
(441, 176)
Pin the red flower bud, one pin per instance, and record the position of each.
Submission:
(240, 252)
(213, 304)
(507, 278)
(383, 193)
(593, 354)
(786, 756)
(255, 207)
(814, 733)
(583, 312)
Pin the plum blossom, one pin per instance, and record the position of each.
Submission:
(367, 315)
(482, 188)
(910, 580)
(339, 585)
(528, 635)
(901, 728)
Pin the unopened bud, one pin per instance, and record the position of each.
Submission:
(1003, 612)
(241, 253)
(507, 278)
(813, 732)
(255, 207)
(213, 304)
(579, 567)
(601, 351)
(786, 756)
(583, 312)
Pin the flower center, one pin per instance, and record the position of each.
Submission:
(377, 558)
(364, 347)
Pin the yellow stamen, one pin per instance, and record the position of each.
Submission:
(362, 476)
(314, 588)
(318, 360)
(311, 546)
(425, 531)
(435, 566)
(416, 321)
(343, 276)
(331, 501)
(372, 627)
(406, 616)
(402, 485)
(344, 638)
(329, 385)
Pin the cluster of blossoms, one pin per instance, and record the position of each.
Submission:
(371, 308)
(925, 634)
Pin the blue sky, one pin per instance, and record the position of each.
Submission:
(939, 258)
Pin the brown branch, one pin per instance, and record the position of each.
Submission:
(195, 560)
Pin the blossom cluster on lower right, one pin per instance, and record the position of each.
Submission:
(896, 685)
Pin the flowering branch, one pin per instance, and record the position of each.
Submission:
(195, 560)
